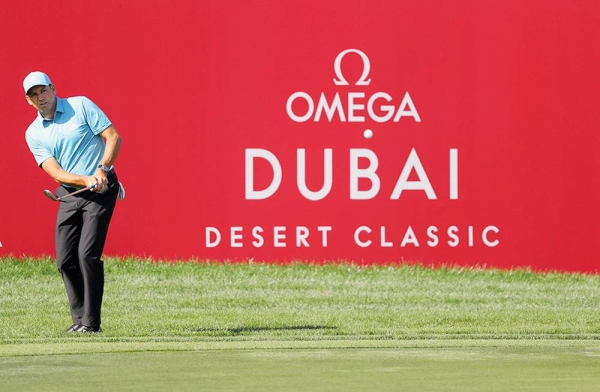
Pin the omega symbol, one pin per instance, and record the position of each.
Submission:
(341, 81)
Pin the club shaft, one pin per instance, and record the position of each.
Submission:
(52, 196)
(87, 188)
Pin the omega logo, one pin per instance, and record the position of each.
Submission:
(355, 106)
(337, 66)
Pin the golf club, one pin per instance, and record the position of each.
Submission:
(51, 195)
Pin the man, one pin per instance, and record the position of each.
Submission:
(74, 142)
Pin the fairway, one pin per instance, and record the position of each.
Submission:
(504, 366)
(260, 327)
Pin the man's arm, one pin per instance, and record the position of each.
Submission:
(113, 145)
(61, 176)
(111, 151)
(112, 140)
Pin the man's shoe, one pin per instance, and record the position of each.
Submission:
(73, 328)
(86, 329)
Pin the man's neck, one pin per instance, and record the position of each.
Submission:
(50, 114)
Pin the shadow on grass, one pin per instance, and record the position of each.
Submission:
(263, 329)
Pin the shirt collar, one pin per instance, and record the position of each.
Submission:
(59, 105)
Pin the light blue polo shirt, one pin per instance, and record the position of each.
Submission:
(72, 137)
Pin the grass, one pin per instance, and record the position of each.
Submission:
(235, 326)
(423, 369)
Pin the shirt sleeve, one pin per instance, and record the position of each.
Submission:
(95, 117)
(40, 153)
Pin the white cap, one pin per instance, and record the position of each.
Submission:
(36, 78)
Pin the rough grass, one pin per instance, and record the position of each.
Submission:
(207, 301)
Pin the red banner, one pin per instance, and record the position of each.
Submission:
(378, 132)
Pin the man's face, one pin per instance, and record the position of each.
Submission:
(43, 98)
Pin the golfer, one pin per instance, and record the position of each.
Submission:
(74, 142)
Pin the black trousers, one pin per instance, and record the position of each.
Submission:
(81, 228)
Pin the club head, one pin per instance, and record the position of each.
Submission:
(50, 195)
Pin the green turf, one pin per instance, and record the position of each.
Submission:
(418, 369)
(202, 326)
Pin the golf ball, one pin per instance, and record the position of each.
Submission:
(368, 133)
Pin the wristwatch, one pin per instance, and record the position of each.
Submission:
(105, 168)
